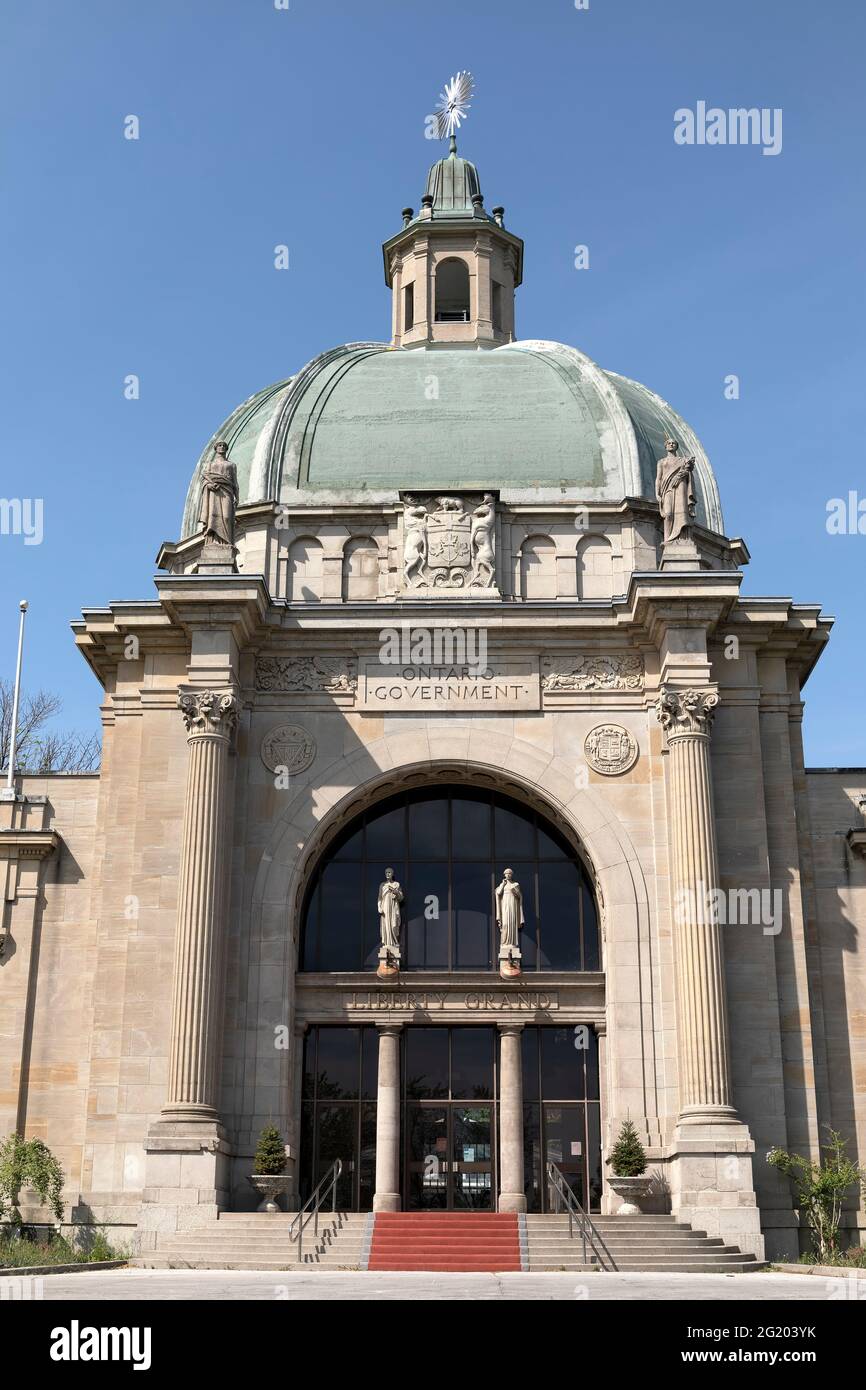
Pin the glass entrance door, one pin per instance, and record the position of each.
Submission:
(449, 1119)
(449, 1159)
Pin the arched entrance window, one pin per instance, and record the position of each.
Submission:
(452, 292)
(448, 847)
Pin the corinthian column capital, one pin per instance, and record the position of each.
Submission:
(208, 711)
(683, 712)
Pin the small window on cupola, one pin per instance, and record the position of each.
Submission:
(452, 291)
(408, 307)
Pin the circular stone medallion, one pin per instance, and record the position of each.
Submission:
(610, 749)
(288, 746)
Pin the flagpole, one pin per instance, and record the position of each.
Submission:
(9, 794)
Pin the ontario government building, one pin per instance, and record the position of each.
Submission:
(452, 813)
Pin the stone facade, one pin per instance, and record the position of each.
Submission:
(153, 1008)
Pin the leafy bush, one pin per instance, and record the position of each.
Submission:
(271, 1153)
(821, 1187)
(628, 1159)
(19, 1252)
(28, 1161)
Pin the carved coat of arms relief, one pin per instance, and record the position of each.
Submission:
(449, 542)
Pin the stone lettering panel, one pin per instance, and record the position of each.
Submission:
(502, 685)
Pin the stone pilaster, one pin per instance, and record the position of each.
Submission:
(387, 1194)
(712, 1184)
(512, 1196)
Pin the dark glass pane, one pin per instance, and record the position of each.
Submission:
(305, 1167)
(349, 845)
(551, 845)
(470, 828)
(472, 1157)
(533, 1174)
(374, 876)
(592, 1091)
(367, 1158)
(591, 948)
(562, 1063)
(428, 828)
(386, 834)
(530, 1063)
(338, 1064)
(340, 935)
(337, 1134)
(471, 1063)
(565, 1142)
(308, 1088)
(369, 1063)
(309, 955)
(426, 1063)
(427, 1156)
(559, 887)
(427, 918)
(514, 834)
(473, 912)
(593, 1155)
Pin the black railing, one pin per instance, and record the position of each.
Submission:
(564, 1193)
(327, 1187)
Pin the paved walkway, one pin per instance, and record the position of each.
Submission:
(144, 1284)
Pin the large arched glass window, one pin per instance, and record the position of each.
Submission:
(448, 847)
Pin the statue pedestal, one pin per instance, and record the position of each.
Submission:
(216, 558)
(509, 962)
(681, 554)
(389, 963)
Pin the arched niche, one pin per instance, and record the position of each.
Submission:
(594, 568)
(538, 568)
(361, 569)
(305, 570)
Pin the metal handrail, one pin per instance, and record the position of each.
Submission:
(313, 1205)
(576, 1214)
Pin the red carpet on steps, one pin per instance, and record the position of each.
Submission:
(460, 1242)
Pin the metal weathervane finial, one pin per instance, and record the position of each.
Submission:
(453, 106)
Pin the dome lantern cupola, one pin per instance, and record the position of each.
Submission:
(453, 269)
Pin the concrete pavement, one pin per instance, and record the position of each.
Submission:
(140, 1285)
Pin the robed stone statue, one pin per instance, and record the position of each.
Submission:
(509, 920)
(675, 491)
(390, 898)
(219, 498)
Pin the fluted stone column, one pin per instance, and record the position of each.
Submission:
(705, 1080)
(387, 1194)
(196, 1027)
(512, 1196)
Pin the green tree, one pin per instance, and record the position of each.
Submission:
(271, 1153)
(821, 1186)
(24, 1161)
(627, 1158)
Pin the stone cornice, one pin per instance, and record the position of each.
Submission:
(28, 844)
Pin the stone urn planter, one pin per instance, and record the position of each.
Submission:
(631, 1190)
(270, 1186)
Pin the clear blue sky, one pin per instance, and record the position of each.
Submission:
(306, 127)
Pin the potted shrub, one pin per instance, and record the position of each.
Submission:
(269, 1176)
(628, 1170)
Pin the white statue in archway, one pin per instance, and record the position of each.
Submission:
(509, 920)
(388, 904)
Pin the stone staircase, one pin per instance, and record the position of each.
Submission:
(260, 1240)
(647, 1243)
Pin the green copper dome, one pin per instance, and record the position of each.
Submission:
(531, 419)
